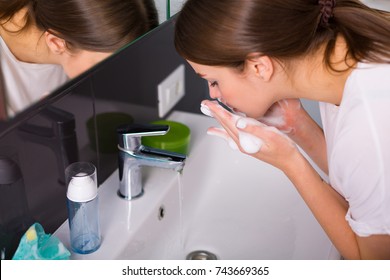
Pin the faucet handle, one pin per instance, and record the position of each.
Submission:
(129, 135)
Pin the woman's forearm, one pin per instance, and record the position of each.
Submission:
(310, 137)
(328, 207)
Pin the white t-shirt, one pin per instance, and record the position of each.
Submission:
(26, 83)
(358, 146)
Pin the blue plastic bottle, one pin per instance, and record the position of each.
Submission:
(83, 211)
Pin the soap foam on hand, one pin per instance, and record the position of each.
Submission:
(217, 131)
(249, 143)
(235, 114)
(206, 110)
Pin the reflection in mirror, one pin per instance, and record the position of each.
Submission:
(175, 6)
(58, 130)
(15, 215)
(43, 43)
(59, 136)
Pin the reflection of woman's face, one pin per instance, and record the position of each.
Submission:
(78, 62)
(236, 90)
(42, 47)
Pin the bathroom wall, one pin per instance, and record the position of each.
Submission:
(161, 6)
(176, 5)
(378, 4)
(36, 146)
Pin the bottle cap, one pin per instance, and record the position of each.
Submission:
(81, 188)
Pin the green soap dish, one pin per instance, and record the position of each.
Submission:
(176, 140)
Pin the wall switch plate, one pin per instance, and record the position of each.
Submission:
(171, 90)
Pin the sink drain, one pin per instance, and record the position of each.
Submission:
(201, 255)
(161, 213)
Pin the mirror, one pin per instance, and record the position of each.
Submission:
(29, 77)
(175, 6)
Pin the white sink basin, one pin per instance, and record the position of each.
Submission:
(224, 202)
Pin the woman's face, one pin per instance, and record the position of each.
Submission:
(242, 92)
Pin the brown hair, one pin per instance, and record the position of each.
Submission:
(224, 32)
(93, 25)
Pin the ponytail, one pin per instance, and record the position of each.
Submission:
(366, 31)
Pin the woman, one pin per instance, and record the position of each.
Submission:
(42, 39)
(260, 57)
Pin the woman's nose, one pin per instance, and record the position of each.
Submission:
(214, 92)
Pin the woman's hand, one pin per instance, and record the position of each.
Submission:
(253, 137)
(289, 116)
(284, 115)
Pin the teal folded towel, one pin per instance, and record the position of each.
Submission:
(35, 244)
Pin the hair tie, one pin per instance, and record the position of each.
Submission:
(326, 11)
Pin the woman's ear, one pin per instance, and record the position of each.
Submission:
(261, 66)
(56, 44)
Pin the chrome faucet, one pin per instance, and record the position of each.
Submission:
(133, 155)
